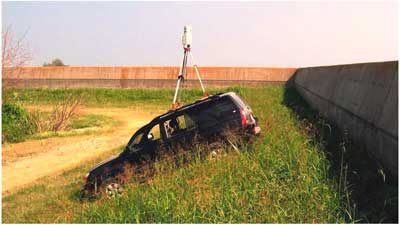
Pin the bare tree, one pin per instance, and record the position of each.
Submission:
(15, 51)
(63, 111)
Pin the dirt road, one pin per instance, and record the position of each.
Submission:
(23, 163)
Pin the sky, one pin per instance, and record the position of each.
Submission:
(266, 34)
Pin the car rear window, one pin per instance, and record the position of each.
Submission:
(213, 113)
(225, 104)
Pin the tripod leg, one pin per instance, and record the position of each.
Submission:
(178, 82)
(198, 74)
(176, 91)
(180, 78)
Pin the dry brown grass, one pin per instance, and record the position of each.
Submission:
(59, 116)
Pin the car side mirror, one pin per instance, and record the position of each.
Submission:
(150, 136)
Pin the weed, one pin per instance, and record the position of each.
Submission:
(15, 123)
(63, 111)
(38, 119)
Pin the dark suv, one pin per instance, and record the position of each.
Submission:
(206, 118)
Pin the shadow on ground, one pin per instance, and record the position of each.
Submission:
(369, 194)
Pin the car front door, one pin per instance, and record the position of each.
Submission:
(148, 145)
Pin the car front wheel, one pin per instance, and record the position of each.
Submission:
(112, 188)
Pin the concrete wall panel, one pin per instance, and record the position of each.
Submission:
(360, 98)
(138, 76)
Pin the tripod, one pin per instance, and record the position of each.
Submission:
(183, 71)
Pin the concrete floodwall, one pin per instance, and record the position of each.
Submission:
(361, 98)
(140, 76)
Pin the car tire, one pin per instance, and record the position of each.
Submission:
(112, 188)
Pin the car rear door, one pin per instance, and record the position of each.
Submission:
(181, 137)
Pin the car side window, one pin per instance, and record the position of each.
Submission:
(178, 125)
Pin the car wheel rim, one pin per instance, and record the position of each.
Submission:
(113, 190)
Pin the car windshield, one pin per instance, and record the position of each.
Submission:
(142, 133)
(138, 138)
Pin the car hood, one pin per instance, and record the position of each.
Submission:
(109, 161)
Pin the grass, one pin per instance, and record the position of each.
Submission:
(99, 97)
(79, 125)
(288, 175)
(53, 199)
(90, 120)
(282, 178)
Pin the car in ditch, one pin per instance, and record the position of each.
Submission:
(206, 118)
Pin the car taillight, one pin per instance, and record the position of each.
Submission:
(243, 116)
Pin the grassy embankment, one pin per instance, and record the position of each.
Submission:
(286, 176)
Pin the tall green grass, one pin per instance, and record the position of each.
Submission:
(282, 178)
(285, 176)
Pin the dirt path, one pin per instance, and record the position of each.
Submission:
(40, 158)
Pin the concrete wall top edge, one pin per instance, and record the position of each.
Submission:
(216, 67)
(350, 64)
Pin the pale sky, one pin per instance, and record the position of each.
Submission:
(268, 34)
